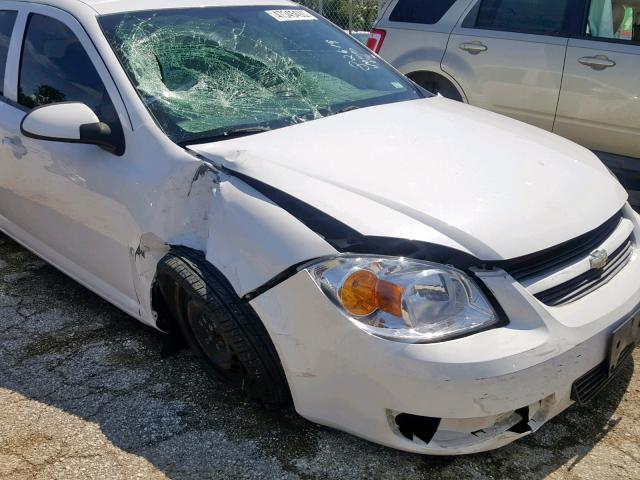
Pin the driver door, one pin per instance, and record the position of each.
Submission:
(65, 200)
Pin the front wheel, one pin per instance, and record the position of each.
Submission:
(223, 331)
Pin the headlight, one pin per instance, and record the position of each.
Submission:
(403, 299)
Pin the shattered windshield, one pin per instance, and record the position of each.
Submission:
(207, 73)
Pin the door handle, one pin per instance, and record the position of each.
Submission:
(598, 62)
(16, 145)
(473, 48)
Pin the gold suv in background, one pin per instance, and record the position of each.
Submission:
(568, 66)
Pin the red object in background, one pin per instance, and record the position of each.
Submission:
(376, 37)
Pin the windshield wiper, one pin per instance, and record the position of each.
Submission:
(227, 134)
(240, 132)
(348, 108)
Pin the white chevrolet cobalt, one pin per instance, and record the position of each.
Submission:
(246, 177)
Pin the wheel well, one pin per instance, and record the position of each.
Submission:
(165, 309)
(436, 83)
(164, 317)
(185, 283)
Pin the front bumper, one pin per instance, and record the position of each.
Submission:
(479, 388)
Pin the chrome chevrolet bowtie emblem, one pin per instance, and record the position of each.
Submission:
(598, 258)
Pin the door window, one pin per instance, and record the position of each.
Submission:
(56, 68)
(7, 20)
(614, 19)
(546, 17)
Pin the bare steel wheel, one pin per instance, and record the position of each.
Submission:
(221, 353)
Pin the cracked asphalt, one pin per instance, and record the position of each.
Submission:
(84, 394)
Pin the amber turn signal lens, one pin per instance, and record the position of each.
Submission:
(362, 293)
(358, 293)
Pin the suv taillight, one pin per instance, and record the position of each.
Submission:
(376, 37)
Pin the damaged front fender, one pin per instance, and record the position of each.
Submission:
(252, 240)
(246, 236)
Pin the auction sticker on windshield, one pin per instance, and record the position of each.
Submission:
(290, 15)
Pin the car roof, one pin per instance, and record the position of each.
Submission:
(105, 7)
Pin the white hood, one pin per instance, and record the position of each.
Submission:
(436, 171)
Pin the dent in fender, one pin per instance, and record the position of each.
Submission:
(251, 240)
(184, 203)
(243, 234)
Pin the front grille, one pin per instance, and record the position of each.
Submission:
(546, 260)
(584, 284)
(592, 382)
(538, 265)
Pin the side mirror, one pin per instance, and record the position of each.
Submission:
(70, 122)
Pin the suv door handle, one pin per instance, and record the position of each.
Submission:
(16, 145)
(473, 48)
(598, 62)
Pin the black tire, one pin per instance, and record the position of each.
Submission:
(436, 84)
(223, 331)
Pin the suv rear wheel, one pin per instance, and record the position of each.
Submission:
(436, 84)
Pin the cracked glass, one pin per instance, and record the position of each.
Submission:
(210, 73)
